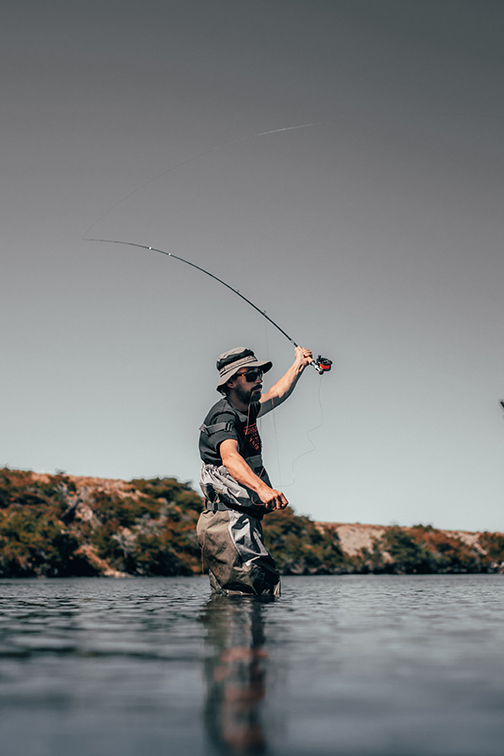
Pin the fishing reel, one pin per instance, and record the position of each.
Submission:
(321, 364)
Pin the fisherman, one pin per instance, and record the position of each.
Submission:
(237, 489)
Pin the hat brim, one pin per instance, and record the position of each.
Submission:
(230, 370)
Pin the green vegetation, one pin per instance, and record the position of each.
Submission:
(425, 550)
(60, 526)
(49, 527)
(300, 547)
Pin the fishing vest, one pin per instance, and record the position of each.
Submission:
(222, 422)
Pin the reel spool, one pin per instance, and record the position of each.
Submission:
(322, 364)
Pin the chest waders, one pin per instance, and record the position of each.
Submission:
(230, 531)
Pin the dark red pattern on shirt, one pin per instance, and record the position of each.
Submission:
(252, 435)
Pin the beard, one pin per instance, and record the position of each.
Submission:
(252, 395)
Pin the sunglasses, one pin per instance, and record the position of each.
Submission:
(251, 375)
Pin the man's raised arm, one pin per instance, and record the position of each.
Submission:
(284, 387)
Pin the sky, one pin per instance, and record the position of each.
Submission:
(373, 237)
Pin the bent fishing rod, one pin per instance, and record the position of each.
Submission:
(321, 364)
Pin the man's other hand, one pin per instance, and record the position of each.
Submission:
(273, 499)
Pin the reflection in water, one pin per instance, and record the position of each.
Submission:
(236, 673)
(360, 665)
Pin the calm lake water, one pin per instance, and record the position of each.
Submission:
(346, 665)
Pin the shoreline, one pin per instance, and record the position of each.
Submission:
(64, 525)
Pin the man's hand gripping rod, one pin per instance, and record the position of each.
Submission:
(321, 364)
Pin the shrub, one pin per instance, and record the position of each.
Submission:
(299, 547)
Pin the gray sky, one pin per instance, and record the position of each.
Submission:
(374, 237)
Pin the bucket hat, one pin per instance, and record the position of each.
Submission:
(230, 362)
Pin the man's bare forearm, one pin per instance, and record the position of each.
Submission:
(283, 388)
(237, 467)
(242, 473)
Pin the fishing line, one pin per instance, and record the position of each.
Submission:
(272, 415)
(190, 160)
(309, 451)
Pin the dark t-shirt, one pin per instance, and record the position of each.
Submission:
(225, 421)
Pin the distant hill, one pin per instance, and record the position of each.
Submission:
(63, 526)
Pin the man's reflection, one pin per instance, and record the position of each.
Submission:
(236, 672)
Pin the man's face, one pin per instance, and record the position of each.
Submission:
(248, 385)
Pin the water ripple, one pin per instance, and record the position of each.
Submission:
(347, 665)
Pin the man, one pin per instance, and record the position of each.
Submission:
(237, 489)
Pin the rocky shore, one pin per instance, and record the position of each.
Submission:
(63, 525)
(355, 537)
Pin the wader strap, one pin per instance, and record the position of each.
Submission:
(216, 427)
(215, 506)
(218, 506)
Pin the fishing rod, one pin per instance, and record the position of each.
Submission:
(321, 364)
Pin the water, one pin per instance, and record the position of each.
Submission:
(343, 665)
